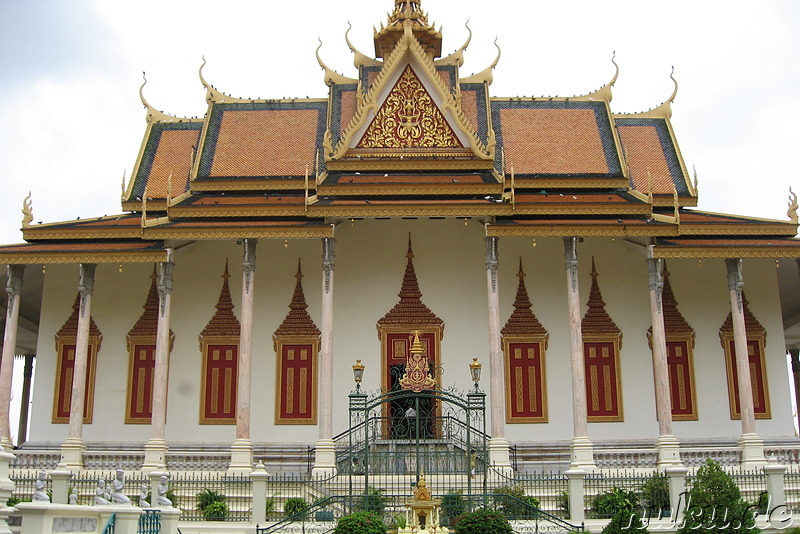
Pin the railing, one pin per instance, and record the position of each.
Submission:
(109, 528)
(150, 522)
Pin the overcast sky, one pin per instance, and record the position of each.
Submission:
(71, 71)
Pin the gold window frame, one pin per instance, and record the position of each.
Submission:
(616, 341)
(313, 342)
(542, 342)
(204, 344)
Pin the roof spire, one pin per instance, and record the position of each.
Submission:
(298, 322)
(408, 15)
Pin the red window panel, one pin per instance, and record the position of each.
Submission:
(64, 393)
(296, 383)
(602, 388)
(141, 391)
(220, 383)
(679, 367)
(526, 400)
(758, 379)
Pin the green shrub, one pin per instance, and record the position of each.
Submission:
(562, 502)
(216, 511)
(608, 503)
(207, 497)
(453, 505)
(399, 521)
(512, 502)
(483, 521)
(625, 522)
(294, 507)
(13, 501)
(360, 523)
(372, 500)
(655, 495)
(715, 505)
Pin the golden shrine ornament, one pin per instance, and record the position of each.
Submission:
(409, 118)
(416, 375)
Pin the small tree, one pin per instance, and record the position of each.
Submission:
(483, 521)
(360, 523)
(453, 505)
(715, 505)
(372, 500)
(655, 494)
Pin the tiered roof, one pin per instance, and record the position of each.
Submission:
(408, 136)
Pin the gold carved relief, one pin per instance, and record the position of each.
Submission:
(409, 119)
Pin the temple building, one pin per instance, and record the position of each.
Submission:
(410, 219)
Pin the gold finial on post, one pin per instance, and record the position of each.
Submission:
(27, 211)
(792, 212)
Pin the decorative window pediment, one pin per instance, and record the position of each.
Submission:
(219, 347)
(525, 343)
(602, 342)
(296, 344)
(141, 344)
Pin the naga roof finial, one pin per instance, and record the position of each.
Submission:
(153, 115)
(331, 76)
(792, 213)
(486, 74)
(27, 211)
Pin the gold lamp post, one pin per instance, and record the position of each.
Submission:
(475, 371)
(358, 374)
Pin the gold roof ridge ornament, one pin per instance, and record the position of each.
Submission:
(457, 57)
(416, 376)
(359, 58)
(662, 111)
(27, 211)
(485, 76)
(153, 115)
(792, 212)
(604, 93)
(331, 76)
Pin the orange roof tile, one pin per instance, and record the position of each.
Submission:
(245, 200)
(469, 105)
(409, 179)
(552, 141)
(260, 140)
(348, 110)
(644, 153)
(173, 155)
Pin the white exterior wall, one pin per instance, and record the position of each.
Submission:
(450, 266)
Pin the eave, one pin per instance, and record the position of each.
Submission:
(727, 248)
(84, 252)
(239, 230)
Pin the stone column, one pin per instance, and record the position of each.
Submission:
(582, 450)
(499, 455)
(750, 443)
(325, 455)
(13, 290)
(667, 444)
(155, 450)
(794, 356)
(242, 448)
(259, 478)
(72, 449)
(25, 401)
(576, 484)
(677, 492)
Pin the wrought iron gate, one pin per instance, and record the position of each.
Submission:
(399, 435)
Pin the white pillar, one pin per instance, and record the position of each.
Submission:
(498, 445)
(667, 444)
(13, 290)
(325, 454)
(751, 444)
(576, 486)
(72, 449)
(155, 450)
(242, 448)
(259, 478)
(582, 450)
